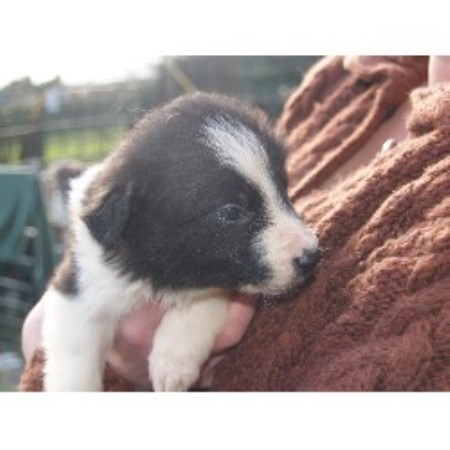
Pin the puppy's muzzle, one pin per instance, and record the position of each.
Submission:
(305, 264)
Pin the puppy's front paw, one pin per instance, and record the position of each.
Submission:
(169, 373)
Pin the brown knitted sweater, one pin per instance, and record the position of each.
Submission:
(377, 316)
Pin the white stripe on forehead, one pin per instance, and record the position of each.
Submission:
(285, 236)
(237, 146)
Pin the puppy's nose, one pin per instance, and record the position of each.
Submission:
(306, 263)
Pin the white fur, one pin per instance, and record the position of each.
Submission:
(185, 339)
(287, 236)
(78, 332)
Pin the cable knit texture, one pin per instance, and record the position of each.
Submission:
(377, 316)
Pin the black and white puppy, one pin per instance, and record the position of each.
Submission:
(190, 207)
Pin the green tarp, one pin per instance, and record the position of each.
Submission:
(21, 205)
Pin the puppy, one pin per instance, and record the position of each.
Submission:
(190, 207)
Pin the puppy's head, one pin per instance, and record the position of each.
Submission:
(196, 197)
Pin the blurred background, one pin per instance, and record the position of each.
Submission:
(51, 128)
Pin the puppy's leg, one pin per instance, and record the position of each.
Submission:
(184, 341)
(75, 344)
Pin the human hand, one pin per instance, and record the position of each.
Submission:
(133, 343)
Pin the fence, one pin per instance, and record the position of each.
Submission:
(86, 139)
(54, 121)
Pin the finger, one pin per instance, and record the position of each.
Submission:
(137, 329)
(133, 344)
(208, 371)
(241, 312)
(438, 69)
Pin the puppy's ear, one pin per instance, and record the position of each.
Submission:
(108, 214)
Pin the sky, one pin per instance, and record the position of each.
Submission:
(97, 40)
(78, 41)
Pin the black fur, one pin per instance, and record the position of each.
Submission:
(154, 206)
(106, 222)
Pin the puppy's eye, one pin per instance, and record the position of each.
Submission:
(231, 214)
